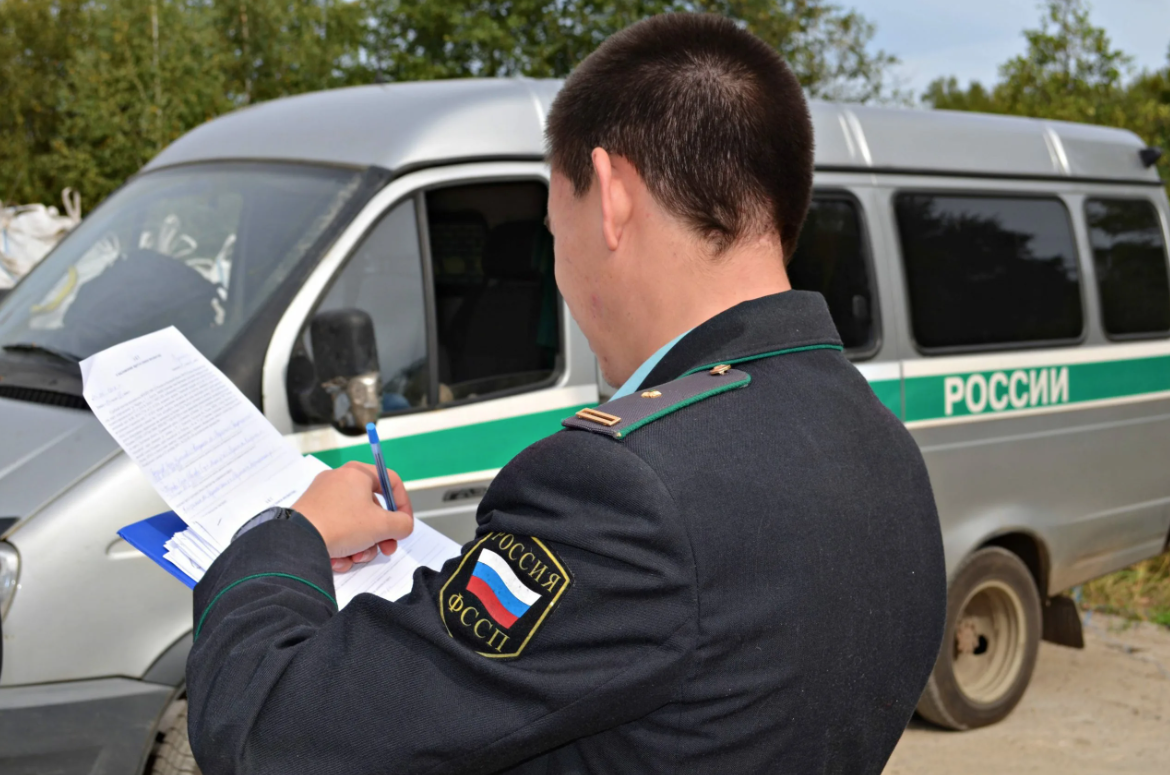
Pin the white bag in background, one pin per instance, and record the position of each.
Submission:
(29, 232)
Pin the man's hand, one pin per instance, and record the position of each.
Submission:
(341, 505)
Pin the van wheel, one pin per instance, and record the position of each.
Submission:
(989, 645)
(173, 756)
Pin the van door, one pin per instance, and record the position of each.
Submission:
(475, 345)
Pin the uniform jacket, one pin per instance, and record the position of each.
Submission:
(746, 579)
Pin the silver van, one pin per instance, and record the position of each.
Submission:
(1001, 282)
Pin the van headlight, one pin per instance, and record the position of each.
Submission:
(9, 572)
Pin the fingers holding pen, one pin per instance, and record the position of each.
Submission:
(401, 497)
(340, 504)
(398, 524)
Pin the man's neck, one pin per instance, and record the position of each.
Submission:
(695, 287)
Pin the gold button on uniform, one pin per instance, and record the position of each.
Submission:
(721, 369)
(652, 394)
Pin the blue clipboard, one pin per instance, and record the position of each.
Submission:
(149, 537)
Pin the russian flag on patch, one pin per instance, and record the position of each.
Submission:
(500, 590)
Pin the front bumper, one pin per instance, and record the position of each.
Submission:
(100, 727)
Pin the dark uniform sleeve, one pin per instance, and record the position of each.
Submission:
(469, 673)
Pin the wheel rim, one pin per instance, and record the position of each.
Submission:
(989, 642)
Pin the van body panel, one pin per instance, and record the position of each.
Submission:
(1064, 442)
(416, 123)
(944, 140)
(1101, 152)
(428, 123)
(839, 138)
(1089, 481)
(88, 604)
(101, 727)
(947, 141)
(45, 450)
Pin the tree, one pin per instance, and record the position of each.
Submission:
(1148, 101)
(37, 38)
(1070, 71)
(829, 48)
(274, 48)
(92, 89)
(143, 73)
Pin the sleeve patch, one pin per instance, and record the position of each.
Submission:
(501, 593)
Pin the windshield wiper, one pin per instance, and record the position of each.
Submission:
(30, 347)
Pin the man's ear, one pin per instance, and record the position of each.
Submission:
(616, 203)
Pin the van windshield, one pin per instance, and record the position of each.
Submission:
(198, 247)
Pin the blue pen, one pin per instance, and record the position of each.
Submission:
(376, 446)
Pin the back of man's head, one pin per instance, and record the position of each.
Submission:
(711, 117)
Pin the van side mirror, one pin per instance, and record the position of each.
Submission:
(345, 356)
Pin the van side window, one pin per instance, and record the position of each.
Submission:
(384, 279)
(830, 259)
(496, 303)
(985, 271)
(1129, 256)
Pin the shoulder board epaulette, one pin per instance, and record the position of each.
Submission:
(621, 417)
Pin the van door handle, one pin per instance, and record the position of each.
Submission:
(464, 493)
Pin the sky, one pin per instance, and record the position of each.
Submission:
(971, 38)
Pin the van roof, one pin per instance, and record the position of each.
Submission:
(405, 125)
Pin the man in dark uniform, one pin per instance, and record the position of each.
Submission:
(733, 567)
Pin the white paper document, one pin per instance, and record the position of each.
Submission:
(216, 460)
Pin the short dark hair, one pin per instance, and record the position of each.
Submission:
(711, 117)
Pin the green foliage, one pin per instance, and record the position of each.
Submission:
(1070, 71)
(37, 39)
(93, 89)
(1141, 592)
(127, 92)
(419, 39)
(274, 48)
(827, 46)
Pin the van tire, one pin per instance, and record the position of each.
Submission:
(989, 645)
(173, 755)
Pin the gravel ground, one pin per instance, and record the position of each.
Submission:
(1105, 709)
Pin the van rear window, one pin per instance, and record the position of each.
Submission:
(985, 272)
(1129, 257)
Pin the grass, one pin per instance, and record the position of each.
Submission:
(1140, 592)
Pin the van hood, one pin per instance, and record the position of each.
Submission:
(43, 451)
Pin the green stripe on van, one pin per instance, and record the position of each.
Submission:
(459, 450)
(1006, 390)
(490, 445)
(889, 392)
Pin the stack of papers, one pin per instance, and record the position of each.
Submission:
(217, 461)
